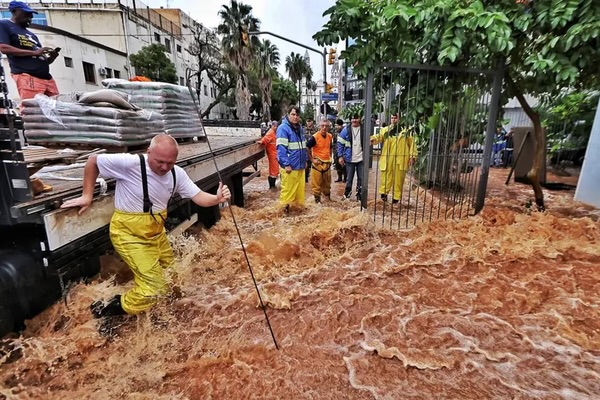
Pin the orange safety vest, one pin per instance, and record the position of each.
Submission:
(322, 149)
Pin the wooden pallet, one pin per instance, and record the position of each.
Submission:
(91, 147)
(45, 155)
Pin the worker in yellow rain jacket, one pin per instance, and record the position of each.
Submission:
(144, 186)
(399, 152)
(320, 146)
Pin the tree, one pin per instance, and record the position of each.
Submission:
(547, 46)
(152, 62)
(236, 20)
(205, 48)
(308, 111)
(297, 68)
(284, 95)
(267, 60)
(568, 120)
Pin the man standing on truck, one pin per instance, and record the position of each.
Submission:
(144, 186)
(29, 61)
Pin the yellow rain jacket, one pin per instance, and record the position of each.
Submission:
(398, 148)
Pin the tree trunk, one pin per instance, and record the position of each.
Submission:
(265, 95)
(242, 98)
(538, 145)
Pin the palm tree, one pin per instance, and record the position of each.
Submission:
(267, 61)
(235, 18)
(297, 68)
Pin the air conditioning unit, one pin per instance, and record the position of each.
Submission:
(102, 71)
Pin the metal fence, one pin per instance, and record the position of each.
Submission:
(434, 161)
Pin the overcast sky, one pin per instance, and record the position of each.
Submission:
(297, 20)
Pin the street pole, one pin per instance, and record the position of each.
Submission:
(322, 54)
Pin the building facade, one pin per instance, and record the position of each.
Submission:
(97, 39)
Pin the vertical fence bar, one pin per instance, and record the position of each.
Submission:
(489, 138)
(368, 124)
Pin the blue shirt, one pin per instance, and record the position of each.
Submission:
(13, 35)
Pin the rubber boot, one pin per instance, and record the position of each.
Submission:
(113, 307)
(317, 199)
(339, 176)
(272, 182)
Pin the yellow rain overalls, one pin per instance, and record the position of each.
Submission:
(398, 149)
(321, 176)
(141, 241)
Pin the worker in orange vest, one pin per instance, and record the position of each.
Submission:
(320, 147)
(270, 143)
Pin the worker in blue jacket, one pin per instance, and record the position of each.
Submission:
(350, 155)
(293, 158)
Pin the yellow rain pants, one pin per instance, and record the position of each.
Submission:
(394, 162)
(141, 241)
(292, 187)
(321, 178)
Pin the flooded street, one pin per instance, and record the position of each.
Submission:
(502, 305)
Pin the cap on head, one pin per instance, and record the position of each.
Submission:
(20, 5)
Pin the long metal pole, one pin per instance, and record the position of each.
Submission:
(262, 304)
(489, 137)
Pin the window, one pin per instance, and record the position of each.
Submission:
(179, 48)
(157, 37)
(109, 72)
(168, 45)
(181, 81)
(89, 72)
(205, 90)
(117, 74)
(68, 62)
(38, 19)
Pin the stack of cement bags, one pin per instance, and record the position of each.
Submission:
(173, 102)
(102, 118)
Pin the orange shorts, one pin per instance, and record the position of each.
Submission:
(28, 86)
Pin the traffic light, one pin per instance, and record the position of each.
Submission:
(328, 87)
(332, 52)
(244, 38)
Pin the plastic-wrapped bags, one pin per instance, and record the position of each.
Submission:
(48, 120)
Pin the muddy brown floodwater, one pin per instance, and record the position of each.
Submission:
(503, 305)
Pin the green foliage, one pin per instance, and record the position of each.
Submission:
(297, 68)
(308, 111)
(568, 119)
(284, 94)
(152, 63)
(547, 45)
(348, 111)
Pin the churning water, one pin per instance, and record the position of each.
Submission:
(503, 305)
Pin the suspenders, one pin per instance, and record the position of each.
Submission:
(146, 200)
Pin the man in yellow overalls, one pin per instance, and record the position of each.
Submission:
(399, 152)
(144, 186)
(320, 145)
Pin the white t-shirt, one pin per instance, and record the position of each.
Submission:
(129, 195)
(357, 154)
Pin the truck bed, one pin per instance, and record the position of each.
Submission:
(68, 182)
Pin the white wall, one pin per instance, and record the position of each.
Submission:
(588, 188)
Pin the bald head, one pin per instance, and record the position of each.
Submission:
(162, 154)
(163, 140)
